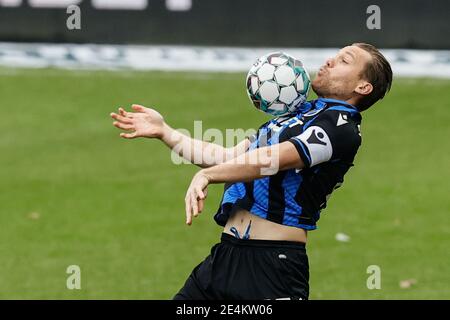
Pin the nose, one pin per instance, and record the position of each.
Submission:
(330, 62)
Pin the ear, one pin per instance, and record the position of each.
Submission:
(364, 88)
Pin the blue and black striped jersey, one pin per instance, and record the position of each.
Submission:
(326, 134)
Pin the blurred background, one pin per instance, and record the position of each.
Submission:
(73, 193)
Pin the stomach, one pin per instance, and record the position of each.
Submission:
(262, 229)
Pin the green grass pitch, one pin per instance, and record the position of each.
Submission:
(73, 193)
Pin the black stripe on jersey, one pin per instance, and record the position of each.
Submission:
(225, 188)
(277, 202)
(248, 201)
(220, 218)
(318, 182)
(305, 197)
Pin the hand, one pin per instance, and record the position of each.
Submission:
(144, 122)
(196, 195)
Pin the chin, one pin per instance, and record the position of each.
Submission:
(315, 86)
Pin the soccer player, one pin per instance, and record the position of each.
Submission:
(276, 181)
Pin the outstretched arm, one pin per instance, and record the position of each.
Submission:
(148, 123)
(250, 166)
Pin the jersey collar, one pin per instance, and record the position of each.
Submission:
(342, 102)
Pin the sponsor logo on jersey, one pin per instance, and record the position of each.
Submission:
(342, 119)
(318, 143)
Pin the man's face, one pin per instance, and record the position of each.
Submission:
(341, 75)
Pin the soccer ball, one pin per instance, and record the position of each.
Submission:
(277, 84)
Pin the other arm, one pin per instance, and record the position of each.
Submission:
(147, 122)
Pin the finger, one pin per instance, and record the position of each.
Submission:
(138, 107)
(123, 126)
(124, 113)
(194, 204)
(201, 204)
(131, 135)
(188, 211)
(121, 118)
(200, 193)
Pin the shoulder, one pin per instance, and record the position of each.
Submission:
(342, 122)
(333, 134)
(340, 116)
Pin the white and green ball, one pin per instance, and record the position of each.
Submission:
(277, 84)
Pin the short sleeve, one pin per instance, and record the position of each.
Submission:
(333, 135)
